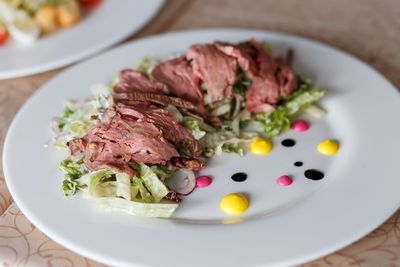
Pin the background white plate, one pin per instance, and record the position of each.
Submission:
(283, 226)
(109, 23)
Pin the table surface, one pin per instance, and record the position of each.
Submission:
(368, 29)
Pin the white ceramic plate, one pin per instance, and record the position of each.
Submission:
(283, 226)
(106, 25)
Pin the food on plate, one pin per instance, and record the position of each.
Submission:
(136, 145)
(239, 177)
(288, 142)
(260, 146)
(300, 125)
(314, 174)
(234, 204)
(26, 20)
(203, 181)
(328, 147)
(284, 180)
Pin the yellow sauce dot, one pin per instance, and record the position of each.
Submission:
(260, 146)
(234, 204)
(328, 147)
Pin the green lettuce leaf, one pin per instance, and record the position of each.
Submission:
(226, 141)
(144, 65)
(198, 128)
(73, 169)
(273, 122)
(157, 188)
(70, 187)
(159, 210)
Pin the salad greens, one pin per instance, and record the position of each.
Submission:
(79, 115)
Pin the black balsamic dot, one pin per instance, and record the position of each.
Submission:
(298, 164)
(314, 174)
(239, 177)
(288, 142)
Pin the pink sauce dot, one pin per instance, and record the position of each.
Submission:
(203, 181)
(300, 126)
(284, 180)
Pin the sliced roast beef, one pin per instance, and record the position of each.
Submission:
(270, 78)
(165, 122)
(138, 97)
(134, 81)
(216, 69)
(122, 140)
(245, 54)
(178, 75)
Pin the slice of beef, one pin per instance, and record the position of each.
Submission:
(178, 75)
(278, 81)
(262, 95)
(245, 54)
(123, 140)
(165, 122)
(271, 79)
(138, 97)
(134, 81)
(216, 69)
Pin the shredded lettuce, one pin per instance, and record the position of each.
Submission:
(73, 168)
(70, 187)
(102, 183)
(159, 210)
(222, 107)
(225, 141)
(144, 65)
(199, 128)
(79, 116)
(315, 111)
(273, 122)
(123, 188)
(157, 188)
(302, 97)
(115, 191)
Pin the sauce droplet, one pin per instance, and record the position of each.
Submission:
(203, 181)
(298, 164)
(284, 180)
(239, 177)
(260, 146)
(328, 147)
(300, 126)
(314, 174)
(288, 142)
(234, 203)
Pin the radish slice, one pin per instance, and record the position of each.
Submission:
(183, 182)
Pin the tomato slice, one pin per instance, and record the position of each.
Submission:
(89, 3)
(3, 35)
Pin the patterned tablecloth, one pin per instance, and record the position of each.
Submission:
(366, 28)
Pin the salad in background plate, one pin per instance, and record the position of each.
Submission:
(26, 20)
